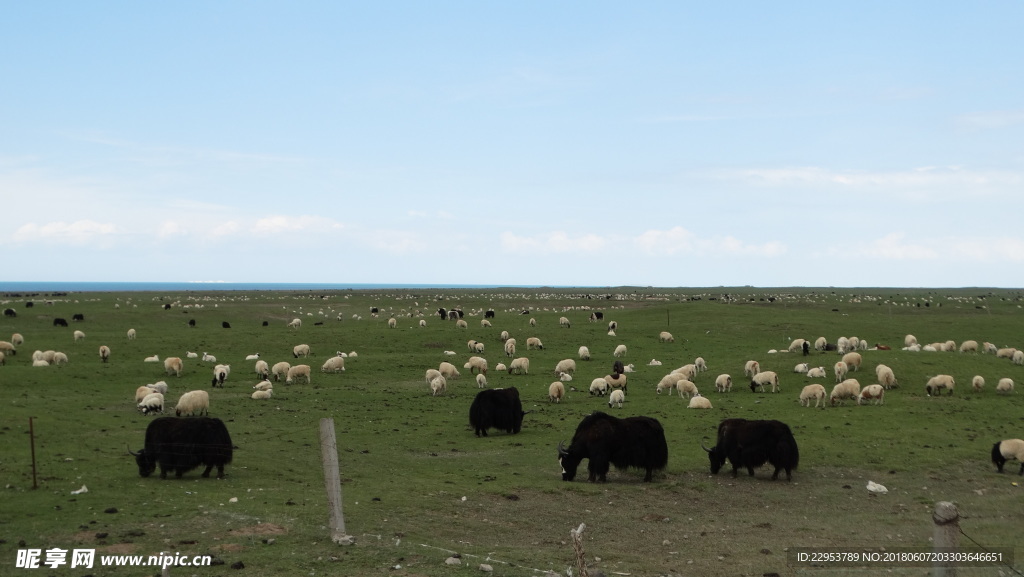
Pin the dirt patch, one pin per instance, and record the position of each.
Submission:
(259, 529)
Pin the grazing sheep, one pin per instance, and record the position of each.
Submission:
(556, 391)
(565, 366)
(699, 402)
(978, 383)
(886, 377)
(668, 382)
(616, 380)
(392, 323)
(193, 403)
(853, 360)
(598, 386)
(500, 367)
(478, 364)
(79, 335)
(263, 385)
(797, 345)
(841, 369)
(173, 365)
(969, 347)
(152, 359)
(448, 370)
(820, 343)
(816, 373)
(816, 392)
(620, 351)
(478, 347)
(220, 374)
(533, 343)
(533, 322)
(262, 394)
(510, 348)
(131, 334)
(723, 383)
(262, 369)
(484, 323)
(519, 366)
(751, 368)
(1008, 449)
(334, 364)
(563, 322)
(700, 364)
(760, 380)
(280, 370)
(584, 354)
(801, 368)
(208, 358)
(2, 359)
(141, 392)
(438, 385)
(59, 359)
(423, 323)
(104, 353)
(504, 336)
(685, 387)
(1006, 353)
(254, 357)
(300, 351)
(481, 381)
(874, 393)
(152, 403)
(616, 398)
(688, 371)
(1018, 358)
(1005, 386)
(17, 340)
(461, 324)
(666, 337)
(296, 372)
(612, 325)
(939, 382)
(988, 348)
(848, 389)
(843, 345)
(431, 374)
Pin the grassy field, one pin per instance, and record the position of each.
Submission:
(419, 486)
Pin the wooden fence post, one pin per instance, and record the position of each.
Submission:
(577, 546)
(332, 481)
(946, 536)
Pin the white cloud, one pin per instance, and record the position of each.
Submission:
(305, 223)
(77, 232)
(678, 240)
(553, 242)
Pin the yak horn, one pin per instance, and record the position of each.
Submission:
(702, 445)
(561, 449)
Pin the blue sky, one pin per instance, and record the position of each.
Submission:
(530, 143)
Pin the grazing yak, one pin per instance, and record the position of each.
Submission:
(752, 444)
(637, 442)
(497, 408)
(182, 444)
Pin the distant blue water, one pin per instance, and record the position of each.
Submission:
(58, 287)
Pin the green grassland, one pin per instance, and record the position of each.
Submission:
(419, 486)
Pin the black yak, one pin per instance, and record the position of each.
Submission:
(751, 444)
(496, 408)
(182, 444)
(59, 322)
(637, 442)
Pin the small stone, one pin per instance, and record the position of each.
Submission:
(233, 500)
(238, 565)
(110, 510)
(486, 568)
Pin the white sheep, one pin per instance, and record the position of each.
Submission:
(841, 369)
(141, 392)
(564, 322)
(1006, 353)
(798, 345)
(450, 353)
(620, 351)
(813, 391)
(262, 369)
(263, 386)
(853, 360)
(598, 386)
(392, 323)
(616, 398)
(565, 366)
(701, 364)
(208, 358)
(300, 351)
(616, 380)
(500, 367)
(668, 382)
(978, 383)
(510, 348)
(909, 341)
(39, 363)
(816, 373)
(484, 323)
(104, 353)
(334, 364)
(191, 355)
(8, 348)
(438, 385)
(612, 325)
(564, 377)
(723, 383)
(448, 370)
(220, 374)
(193, 403)
(280, 370)
(131, 334)
(296, 372)
(699, 402)
(533, 322)
(848, 389)
(173, 365)
(481, 381)
(1017, 358)
(471, 345)
(654, 363)
(79, 335)
(1004, 386)
(59, 359)
(751, 368)
(886, 377)
(689, 371)
(519, 366)
(533, 343)
(152, 359)
(969, 347)
(939, 382)
(874, 393)
(988, 347)
(764, 378)
(152, 403)
(584, 354)
(16, 340)
(611, 333)
(820, 343)
(423, 323)
(461, 324)
(556, 391)
(685, 387)
(1008, 449)
(801, 368)
(478, 364)
(431, 374)
(504, 336)
(159, 386)
(262, 394)
(253, 357)
(630, 368)
(666, 337)
(295, 324)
